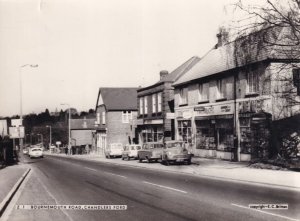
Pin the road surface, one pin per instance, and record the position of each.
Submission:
(149, 194)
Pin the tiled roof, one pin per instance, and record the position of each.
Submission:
(174, 75)
(118, 98)
(83, 123)
(243, 51)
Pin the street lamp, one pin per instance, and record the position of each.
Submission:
(21, 108)
(69, 126)
(50, 140)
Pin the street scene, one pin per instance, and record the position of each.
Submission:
(139, 110)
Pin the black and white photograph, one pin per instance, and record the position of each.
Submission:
(142, 110)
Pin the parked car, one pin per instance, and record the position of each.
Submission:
(175, 151)
(130, 151)
(36, 152)
(150, 152)
(113, 150)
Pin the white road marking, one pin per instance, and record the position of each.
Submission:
(11, 205)
(90, 169)
(261, 211)
(56, 201)
(165, 187)
(116, 175)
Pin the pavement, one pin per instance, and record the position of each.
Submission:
(214, 168)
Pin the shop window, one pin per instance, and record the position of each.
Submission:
(152, 134)
(141, 109)
(203, 92)
(183, 96)
(159, 103)
(220, 89)
(205, 136)
(185, 131)
(126, 116)
(153, 103)
(252, 82)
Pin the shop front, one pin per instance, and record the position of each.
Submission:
(214, 131)
(151, 131)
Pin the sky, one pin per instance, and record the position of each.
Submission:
(80, 46)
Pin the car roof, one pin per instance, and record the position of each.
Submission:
(174, 141)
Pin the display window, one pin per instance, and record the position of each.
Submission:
(185, 131)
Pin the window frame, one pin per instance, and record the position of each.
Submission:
(154, 106)
(183, 93)
(159, 102)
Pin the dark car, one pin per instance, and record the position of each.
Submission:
(150, 152)
(175, 151)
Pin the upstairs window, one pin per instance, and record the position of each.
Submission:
(146, 105)
(159, 103)
(141, 109)
(98, 118)
(296, 79)
(153, 103)
(220, 89)
(103, 118)
(183, 96)
(203, 92)
(252, 83)
(126, 116)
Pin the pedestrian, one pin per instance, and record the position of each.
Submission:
(87, 149)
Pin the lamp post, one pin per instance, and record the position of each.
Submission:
(69, 126)
(21, 103)
(50, 140)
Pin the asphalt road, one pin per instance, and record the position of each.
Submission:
(148, 194)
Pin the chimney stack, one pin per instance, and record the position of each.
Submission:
(163, 74)
(220, 40)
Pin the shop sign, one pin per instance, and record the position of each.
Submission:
(253, 106)
(170, 115)
(187, 114)
(214, 110)
(160, 121)
(16, 132)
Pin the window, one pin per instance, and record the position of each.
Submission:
(185, 131)
(146, 105)
(141, 106)
(98, 118)
(296, 79)
(153, 103)
(203, 92)
(220, 89)
(103, 118)
(126, 116)
(252, 83)
(183, 96)
(159, 104)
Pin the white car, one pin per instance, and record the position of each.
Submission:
(114, 150)
(36, 152)
(130, 151)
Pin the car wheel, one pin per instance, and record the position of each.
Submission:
(188, 162)
(140, 160)
(128, 158)
(122, 158)
(148, 160)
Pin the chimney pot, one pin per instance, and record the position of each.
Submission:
(163, 74)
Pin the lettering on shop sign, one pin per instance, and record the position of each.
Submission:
(204, 110)
(225, 109)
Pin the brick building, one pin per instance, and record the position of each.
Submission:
(226, 105)
(83, 132)
(116, 111)
(156, 106)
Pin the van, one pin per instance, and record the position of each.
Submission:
(113, 150)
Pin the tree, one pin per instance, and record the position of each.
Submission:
(273, 26)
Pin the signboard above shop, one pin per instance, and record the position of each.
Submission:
(221, 109)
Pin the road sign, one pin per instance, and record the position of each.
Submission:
(16, 132)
